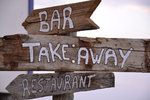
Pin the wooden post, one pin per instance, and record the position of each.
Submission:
(4, 96)
(67, 96)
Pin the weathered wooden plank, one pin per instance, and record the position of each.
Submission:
(62, 19)
(38, 85)
(147, 55)
(65, 53)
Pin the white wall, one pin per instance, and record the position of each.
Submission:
(12, 14)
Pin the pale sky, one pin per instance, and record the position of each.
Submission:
(119, 19)
(116, 18)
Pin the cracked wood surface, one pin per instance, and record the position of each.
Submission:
(39, 85)
(72, 53)
(54, 17)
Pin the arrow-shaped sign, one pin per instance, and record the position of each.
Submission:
(39, 85)
(62, 19)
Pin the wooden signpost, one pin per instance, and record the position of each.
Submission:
(43, 51)
(66, 53)
(62, 19)
(39, 85)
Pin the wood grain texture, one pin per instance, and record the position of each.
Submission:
(66, 96)
(39, 85)
(147, 54)
(80, 17)
(70, 54)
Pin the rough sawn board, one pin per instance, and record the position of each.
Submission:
(65, 53)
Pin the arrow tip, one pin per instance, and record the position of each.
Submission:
(94, 4)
